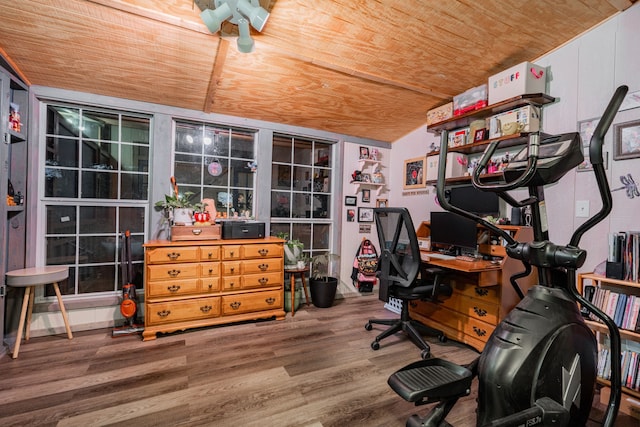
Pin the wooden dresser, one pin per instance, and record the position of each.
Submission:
(482, 294)
(190, 284)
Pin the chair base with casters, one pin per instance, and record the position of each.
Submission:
(414, 329)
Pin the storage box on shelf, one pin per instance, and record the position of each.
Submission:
(517, 139)
(203, 283)
(522, 79)
(626, 308)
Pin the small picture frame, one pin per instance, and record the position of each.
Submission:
(366, 195)
(480, 135)
(626, 144)
(381, 203)
(366, 177)
(415, 173)
(350, 200)
(364, 153)
(351, 215)
(365, 214)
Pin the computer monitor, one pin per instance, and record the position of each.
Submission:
(471, 199)
(453, 233)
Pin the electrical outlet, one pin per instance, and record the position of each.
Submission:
(582, 208)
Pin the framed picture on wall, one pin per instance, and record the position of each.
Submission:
(626, 143)
(351, 215)
(350, 200)
(381, 203)
(366, 195)
(414, 173)
(365, 214)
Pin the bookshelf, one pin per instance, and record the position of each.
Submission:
(627, 330)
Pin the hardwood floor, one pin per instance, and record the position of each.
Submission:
(315, 369)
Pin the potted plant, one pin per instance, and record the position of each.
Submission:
(293, 251)
(200, 213)
(324, 281)
(177, 207)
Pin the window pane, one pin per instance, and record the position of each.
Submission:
(134, 186)
(135, 158)
(188, 138)
(132, 219)
(97, 219)
(241, 175)
(242, 201)
(61, 219)
(99, 185)
(61, 250)
(99, 155)
(219, 145)
(63, 121)
(62, 152)
(188, 169)
(302, 232)
(302, 152)
(321, 182)
(216, 172)
(103, 126)
(321, 206)
(99, 278)
(323, 155)
(67, 287)
(280, 204)
(135, 129)
(60, 183)
(301, 205)
(321, 235)
(94, 249)
(301, 178)
(281, 177)
(281, 149)
(242, 145)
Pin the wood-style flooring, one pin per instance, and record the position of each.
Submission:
(315, 369)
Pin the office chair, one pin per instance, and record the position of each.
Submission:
(401, 277)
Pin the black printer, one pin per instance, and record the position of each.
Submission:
(242, 229)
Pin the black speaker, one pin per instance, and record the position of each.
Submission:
(615, 270)
(516, 216)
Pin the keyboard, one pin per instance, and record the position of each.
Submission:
(440, 256)
(467, 258)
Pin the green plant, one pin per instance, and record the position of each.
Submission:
(199, 207)
(174, 201)
(323, 266)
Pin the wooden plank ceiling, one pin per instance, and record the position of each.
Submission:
(366, 68)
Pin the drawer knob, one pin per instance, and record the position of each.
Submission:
(196, 231)
(479, 332)
(482, 292)
(231, 253)
(263, 267)
(231, 284)
(211, 271)
(173, 273)
(263, 252)
(173, 255)
(235, 305)
(164, 313)
(232, 269)
(173, 288)
(210, 286)
(270, 300)
(480, 312)
(205, 308)
(210, 255)
(263, 280)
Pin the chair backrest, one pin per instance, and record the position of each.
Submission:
(399, 251)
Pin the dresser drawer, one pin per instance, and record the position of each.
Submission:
(267, 250)
(231, 283)
(261, 266)
(210, 269)
(172, 254)
(209, 253)
(261, 280)
(170, 288)
(245, 303)
(230, 268)
(172, 271)
(210, 284)
(176, 311)
(231, 252)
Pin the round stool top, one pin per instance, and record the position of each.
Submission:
(37, 275)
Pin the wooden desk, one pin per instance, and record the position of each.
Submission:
(482, 296)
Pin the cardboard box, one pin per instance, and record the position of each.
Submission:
(440, 114)
(528, 117)
(522, 79)
(470, 100)
(195, 232)
(459, 137)
(456, 166)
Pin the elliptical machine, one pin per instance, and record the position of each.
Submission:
(539, 365)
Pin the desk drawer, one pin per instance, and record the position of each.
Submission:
(172, 271)
(246, 303)
(487, 294)
(478, 329)
(176, 311)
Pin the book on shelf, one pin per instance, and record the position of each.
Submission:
(624, 248)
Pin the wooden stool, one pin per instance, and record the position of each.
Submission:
(29, 278)
(292, 274)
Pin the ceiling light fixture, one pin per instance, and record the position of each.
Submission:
(238, 12)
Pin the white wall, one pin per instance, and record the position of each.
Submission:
(583, 75)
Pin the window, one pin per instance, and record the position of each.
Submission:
(301, 191)
(218, 164)
(96, 184)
